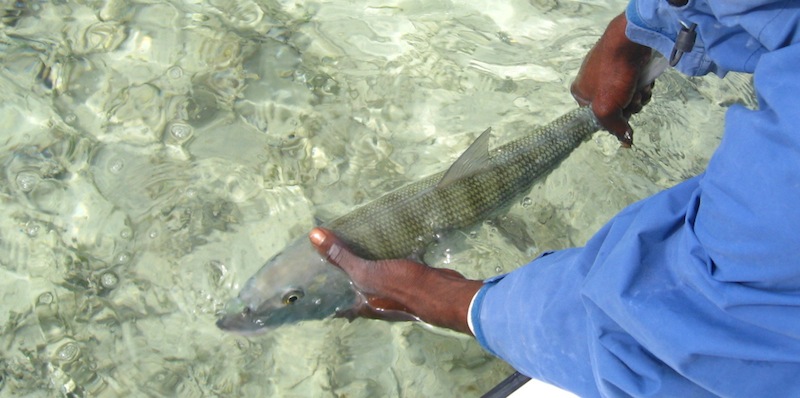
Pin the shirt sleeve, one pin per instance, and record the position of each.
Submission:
(587, 319)
(731, 35)
(696, 290)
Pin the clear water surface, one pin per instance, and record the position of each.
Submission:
(154, 153)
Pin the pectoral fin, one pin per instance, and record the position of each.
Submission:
(376, 308)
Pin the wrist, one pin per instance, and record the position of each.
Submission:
(617, 42)
(443, 299)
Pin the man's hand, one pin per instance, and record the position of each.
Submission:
(609, 77)
(437, 296)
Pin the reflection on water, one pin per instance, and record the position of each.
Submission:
(154, 154)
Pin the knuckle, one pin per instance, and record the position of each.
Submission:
(605, 110)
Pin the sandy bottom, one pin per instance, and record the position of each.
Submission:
(156, 153)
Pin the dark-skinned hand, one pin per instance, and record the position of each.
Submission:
(608, 80)
(437, 296)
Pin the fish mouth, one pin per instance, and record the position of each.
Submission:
(242, 319)
(244, 323)
(239, 318)
(240, 324)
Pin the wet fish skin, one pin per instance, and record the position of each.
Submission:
(321, 289)
(402, 223)
(406, 220)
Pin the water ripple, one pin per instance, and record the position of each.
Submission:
(154, 154)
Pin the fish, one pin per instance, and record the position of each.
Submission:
(298, 285)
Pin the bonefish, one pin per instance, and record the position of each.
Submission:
(297, 284)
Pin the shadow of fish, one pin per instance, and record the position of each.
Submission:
(297, 284)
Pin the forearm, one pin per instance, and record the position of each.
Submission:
(440, 298)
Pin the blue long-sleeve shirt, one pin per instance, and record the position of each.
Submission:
(696, 290)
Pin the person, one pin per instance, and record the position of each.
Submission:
(694, 291)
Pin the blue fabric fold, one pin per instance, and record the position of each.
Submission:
(694, 291)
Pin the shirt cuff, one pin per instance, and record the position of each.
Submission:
(474, 312)
(469, 312)
(656, 25)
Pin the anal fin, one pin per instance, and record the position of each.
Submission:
(376, 308)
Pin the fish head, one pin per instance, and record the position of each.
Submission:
(295, 285)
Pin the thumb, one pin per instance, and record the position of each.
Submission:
(613, 120)
(333, 249)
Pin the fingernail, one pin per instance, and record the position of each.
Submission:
(317, 237)
(627, 137)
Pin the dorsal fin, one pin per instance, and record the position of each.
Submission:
(473, 160)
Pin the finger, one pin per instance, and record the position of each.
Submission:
(613, 120)
(322, 240)
(450, 272)
(620, 128)
(333, 250)
(578, 95)
(627, 138)
(632, 109)
(385, 309)
(647, 93)
(635, 106)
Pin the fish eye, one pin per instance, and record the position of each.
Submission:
(291, 296)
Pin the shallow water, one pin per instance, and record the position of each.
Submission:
(155, 153)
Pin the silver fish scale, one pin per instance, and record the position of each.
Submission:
(403, 222)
